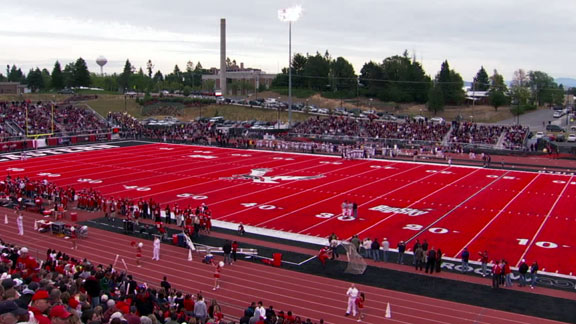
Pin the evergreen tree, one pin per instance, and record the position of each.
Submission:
(125, 77)
(317, 71)
(68, 75)
(404, 80)
(370, 78)
(34, 80)
(436, 99)
(420, 83)
(46, 79)
(16, 75)
(198, 71)
(481, 81)
(343, 76)
(81, 75)
(57, 77)
(158, 77)
(451, 84)
(298, 64)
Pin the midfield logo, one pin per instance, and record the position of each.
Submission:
(397, 210)
(259, 176)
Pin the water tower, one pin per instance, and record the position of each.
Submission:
(101, 60)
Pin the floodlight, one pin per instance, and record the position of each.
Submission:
(290, 14)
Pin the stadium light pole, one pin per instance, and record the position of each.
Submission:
(290, 15)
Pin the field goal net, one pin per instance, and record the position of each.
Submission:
(356, 263)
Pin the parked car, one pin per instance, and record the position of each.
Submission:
(554, 128)
(66, 91)
(437, 120)
(571, 138)
(558, 114)
(539, 135)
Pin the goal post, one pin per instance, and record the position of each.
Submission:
(35, 136)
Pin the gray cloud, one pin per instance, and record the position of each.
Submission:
(503, 35)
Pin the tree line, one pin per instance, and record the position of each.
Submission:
(399, 79)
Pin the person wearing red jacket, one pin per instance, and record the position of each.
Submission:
(323, 255)
(497, 274)
(360, 306)
(40, 305)
(25, 264)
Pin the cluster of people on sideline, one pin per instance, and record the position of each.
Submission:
(26, 193)
(502, 274)
(42, 195)
(377, 250)
(427, 258)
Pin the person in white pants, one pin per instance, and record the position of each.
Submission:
(20, 223)
(156, 251)
(352, 294)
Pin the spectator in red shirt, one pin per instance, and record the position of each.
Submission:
(26, 264)
(40, 304)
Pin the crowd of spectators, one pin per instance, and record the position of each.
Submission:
(472, 133)
(30, 118)
(194, 132)
(411, 130)
(70, 119)
(514, 137)
(130, 126)
(75, 120)
(64, 289)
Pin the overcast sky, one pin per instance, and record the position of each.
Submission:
(498, 34)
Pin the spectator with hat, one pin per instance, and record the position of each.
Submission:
(40, 305)
(10, 313)
(25, 264)
(59, 315)
(28, 293)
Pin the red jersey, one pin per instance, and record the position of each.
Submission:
(26, 265)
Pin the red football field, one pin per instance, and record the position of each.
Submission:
(512, 214)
